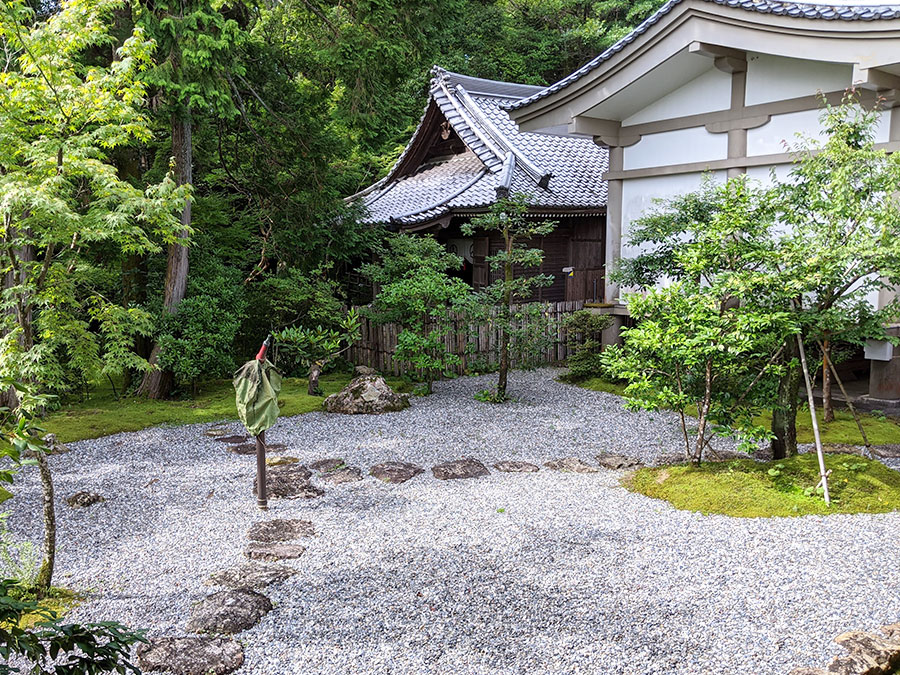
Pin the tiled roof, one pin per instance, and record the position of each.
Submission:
(800, 10)
(554, 172)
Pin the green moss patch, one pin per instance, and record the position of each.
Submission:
(745, 488)
(101, 414)
(59, 601)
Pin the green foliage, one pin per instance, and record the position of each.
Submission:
(583, 330)
(20, 560)
(490, 396)
(749, 489)
(418, 294)
(316, 346)
(65, 649)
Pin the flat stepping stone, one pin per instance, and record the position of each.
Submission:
(251, 575)
(516, 467)
(460, 468)
(887, 451)
(274, 551)
(232, 438)
(571, 465)
(191, 655)
(290, 481)
(350, 474)
(215, 432)
(280, 530)
(395, 472)
(330, 464)
(280, 460)
(617, 462)
(250, 448)
(83, 499)
(228, 611)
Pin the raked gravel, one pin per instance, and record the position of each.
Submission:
(512, 573)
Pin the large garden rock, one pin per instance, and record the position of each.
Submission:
(395, 472)
(364, 371)
(367, 394)
(869, 654)
(274, 551)
(508, 466)
(460, 468)
(617, 462)
(228, 611)
(571, 465)
(290, 481)
(251, 575)
(191, 655)
(83, 499)
(349, 474)
(280, 530)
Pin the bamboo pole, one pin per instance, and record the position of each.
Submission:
(815, 422)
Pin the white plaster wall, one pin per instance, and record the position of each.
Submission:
(676, 147)
(781, 132)
(708, 92)
(775, 78)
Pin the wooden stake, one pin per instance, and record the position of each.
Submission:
(262, 500)
(815, 422)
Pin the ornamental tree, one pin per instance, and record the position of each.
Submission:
(509, 217)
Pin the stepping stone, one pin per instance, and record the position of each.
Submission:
(290, 481)
(323, 465)
(516, 467)
(84, 499)
(215, 432)
(280, 530)
(233, 438)
(191, 655)
(610, 461)
(250, 448)
(251, 575)
(280, 460)
(273, 551)
(570, 465)
(887, 451)
(350, 474)
(460, 468)
(395, 472)
(228, 612)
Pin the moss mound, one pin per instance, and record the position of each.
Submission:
(745, 488)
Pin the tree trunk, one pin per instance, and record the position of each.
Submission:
(158, 383)
(504, 324)
(827, 403)
(20, 311)
(45, 575)
(315, 369)
(784, 416)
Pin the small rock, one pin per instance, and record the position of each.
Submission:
(331, 464)
(617, 462)
(251, 575)
(516, 467)
(395, 472)
(191, 655)
(228, 611)
(53, 446)
(460, 468)
(280, 460)
(83, 499)
(280, 530)
(570, 465)
(290, 481)
(216, 432)
(273, 552)
(367, 395)
(350, 474)
(250, 448)
(363, 371)
(891, 451)
(233, 438)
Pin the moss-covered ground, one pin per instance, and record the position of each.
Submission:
(59, 601)
(746, 488)
(101, 414)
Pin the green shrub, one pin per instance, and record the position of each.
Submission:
(583, 330)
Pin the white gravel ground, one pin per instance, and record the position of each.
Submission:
(512, 573)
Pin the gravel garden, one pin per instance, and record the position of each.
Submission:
(533, 570)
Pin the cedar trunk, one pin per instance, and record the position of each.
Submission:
(158, 383)
(784, 416)
(45, 575)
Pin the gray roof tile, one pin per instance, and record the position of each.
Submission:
(553, 171)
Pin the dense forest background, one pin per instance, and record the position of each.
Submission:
(275, 112)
